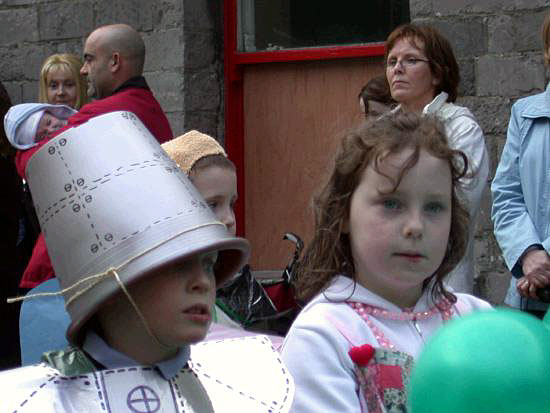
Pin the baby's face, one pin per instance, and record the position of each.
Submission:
(47, 125)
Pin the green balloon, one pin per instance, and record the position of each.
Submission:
(486, 362)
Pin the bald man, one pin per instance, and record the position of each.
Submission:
(113, 64)
(112, 55)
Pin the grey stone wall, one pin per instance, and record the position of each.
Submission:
(182, 37)
(203, 67)
(499, 48)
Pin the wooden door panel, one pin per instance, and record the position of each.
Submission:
(294, 115)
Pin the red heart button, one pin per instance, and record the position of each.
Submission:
(361, 355)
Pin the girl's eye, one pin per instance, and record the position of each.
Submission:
(391, 204)
(212, 205)
(435, 207)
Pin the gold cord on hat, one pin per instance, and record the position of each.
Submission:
(138, 311)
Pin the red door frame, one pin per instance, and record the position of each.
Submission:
(234, 64)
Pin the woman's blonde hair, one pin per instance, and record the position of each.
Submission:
(68, 62)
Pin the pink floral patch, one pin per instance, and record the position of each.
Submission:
(390, 377)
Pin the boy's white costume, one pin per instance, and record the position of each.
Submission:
(113, 208)
(234, 375)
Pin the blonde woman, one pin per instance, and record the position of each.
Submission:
(61, 82)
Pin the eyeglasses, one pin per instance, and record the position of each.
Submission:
(406, 62)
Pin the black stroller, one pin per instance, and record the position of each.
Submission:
(265, 305)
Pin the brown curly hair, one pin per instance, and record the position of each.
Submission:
(329, 254)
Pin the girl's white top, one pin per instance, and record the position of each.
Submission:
(317, 345)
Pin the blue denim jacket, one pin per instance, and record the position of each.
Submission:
(521, 187)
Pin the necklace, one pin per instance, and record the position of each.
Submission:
(444, 309)
(365, 310)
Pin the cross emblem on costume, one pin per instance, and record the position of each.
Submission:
(143, 399)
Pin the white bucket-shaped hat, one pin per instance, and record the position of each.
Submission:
(114, 208)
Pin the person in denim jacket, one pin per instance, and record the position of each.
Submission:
(521, 204)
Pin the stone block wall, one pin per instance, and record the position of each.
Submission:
(203, 67)
(183, 65)
(499, 47)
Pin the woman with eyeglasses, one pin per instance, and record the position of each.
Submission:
(423, 76)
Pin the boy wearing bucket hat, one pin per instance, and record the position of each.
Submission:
(138, 255)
